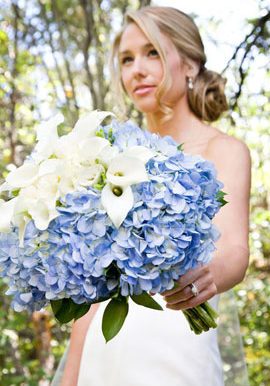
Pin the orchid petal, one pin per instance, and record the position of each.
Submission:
(89, 176)
(67, 184)
(20, 221)
(47, 187)
(23, 176)
(90, 148)
(66, 146)
(7, 211)
(107, 154)
(42, 214)
(117, 207)
(125, 171)
(49, 166)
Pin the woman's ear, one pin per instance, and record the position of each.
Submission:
(192, 68)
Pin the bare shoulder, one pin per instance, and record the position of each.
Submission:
(224, 148)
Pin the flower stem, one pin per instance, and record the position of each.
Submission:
(201, 318)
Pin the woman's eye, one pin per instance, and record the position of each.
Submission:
(153, 52)
(126, 59)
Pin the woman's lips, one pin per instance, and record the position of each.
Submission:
(144, 90)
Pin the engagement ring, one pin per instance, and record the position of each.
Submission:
(194, 289)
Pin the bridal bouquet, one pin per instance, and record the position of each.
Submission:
(105, 212)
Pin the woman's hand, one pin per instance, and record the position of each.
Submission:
(182, 297)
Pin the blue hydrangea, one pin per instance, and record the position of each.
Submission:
(82, 256)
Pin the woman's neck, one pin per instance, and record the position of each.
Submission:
(183, 126)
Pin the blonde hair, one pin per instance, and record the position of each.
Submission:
(207, 99)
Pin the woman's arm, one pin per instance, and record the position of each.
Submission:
(228, 266)
(233, 163)
(77, 338)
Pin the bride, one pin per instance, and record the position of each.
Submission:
(158, 61)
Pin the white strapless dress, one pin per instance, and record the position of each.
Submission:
(153, 348)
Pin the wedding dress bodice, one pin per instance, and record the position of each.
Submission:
(152, 348)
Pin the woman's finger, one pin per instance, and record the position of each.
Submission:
(205, 295)
(190, 277)
(201, 284)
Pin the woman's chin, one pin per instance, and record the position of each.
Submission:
(147, 108)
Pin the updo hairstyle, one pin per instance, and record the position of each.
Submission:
(207, 99)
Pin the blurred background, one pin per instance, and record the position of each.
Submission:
(54, 57)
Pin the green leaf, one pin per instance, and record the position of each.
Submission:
(100, 133)
(146, 300)
(56, 306)
(114, 316)
(66, 310)
(220, 197)
(81, 310)
(180, 147)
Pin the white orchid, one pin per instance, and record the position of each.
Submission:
(89, 176)
(61, 165)
(43, 213)
(90, 149)
(23, 176)
(107, 154)
(6, 210)
(36, 202)
(58, 165)
(20, 220)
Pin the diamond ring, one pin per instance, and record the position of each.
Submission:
(194, 289)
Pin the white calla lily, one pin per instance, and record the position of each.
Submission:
(125, 171)
(90, 148)
(6, 211)
(86, 126)
(117, 202)
(47, 137)
(141, 152)
(23, 176)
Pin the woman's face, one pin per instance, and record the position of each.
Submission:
(142, 70)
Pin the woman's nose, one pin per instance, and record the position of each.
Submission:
(139, 67)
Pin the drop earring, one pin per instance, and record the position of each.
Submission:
(190, 83)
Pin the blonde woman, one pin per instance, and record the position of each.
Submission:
(158, 61)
